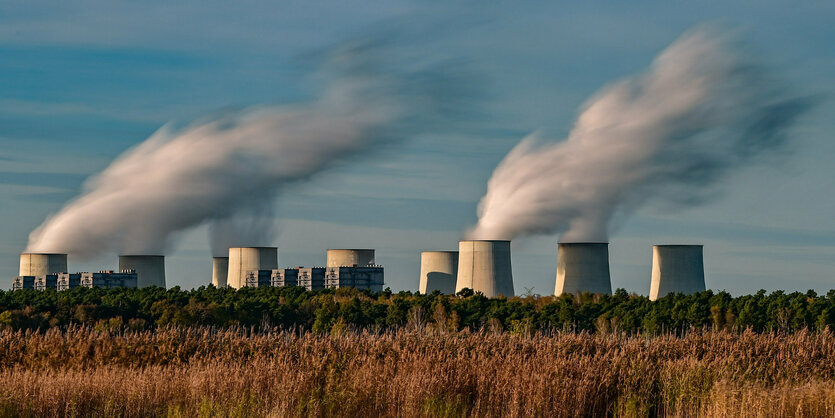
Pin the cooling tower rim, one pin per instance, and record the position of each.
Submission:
(484, 240)
(351, 249)
(677, 245)
(259, 248)
(583, 243)
(37, 253)
(141, 255)
(439, 252)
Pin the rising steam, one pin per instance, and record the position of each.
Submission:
(227, 170)
(702, 108)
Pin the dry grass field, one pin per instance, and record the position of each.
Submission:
(203, 372)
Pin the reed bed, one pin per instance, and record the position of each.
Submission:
(210, 372)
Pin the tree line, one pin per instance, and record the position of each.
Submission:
(331, 310)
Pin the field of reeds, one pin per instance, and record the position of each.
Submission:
(209, 372)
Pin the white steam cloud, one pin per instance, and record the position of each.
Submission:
(226, 171)
(702, 108)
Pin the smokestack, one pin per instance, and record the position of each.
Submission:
(484, 266)
(242, 259)
(350, 257)
(41, 264)
(583, 267)
(220, 268)
(677, 269)
(150, 269)
(438, 271)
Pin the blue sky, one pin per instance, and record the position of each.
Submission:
(83, 81)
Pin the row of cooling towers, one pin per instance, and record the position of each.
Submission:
(484, 266)
(481, 265)
(227, 271)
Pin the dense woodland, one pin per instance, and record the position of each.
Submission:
(323, 311)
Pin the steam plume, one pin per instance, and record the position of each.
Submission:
(702, 108)
(227, 170)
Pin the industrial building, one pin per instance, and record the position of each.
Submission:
(484, 266)
(285, 277)
(23, 282)
(49, 281)
(150, 269)
(243, 259)
(583, 267)
(677, 269)
(259, 278)
(67, 281)
(361, 277)
(107, 279)
(312, 278)
(438, 271)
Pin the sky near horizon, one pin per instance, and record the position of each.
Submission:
(81, 82)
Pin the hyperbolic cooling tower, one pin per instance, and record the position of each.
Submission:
(41, 264)
(242, 259)
(677, 269)
(150, 269)
(438, 271)
(220, 268)
(583, 267)
(484, 266)
(350, 257)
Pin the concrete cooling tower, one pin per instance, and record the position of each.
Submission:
(41, 264)
(220, 268)
(350, 257)
(438, 271)
(484, 266)
(583, 267)
(150, 269)
(677, 269)
(242, 259)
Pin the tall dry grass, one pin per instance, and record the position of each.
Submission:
(202, 372)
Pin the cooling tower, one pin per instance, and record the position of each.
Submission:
(583, 267)
(220, 268)
(242, 259)
(41, 264)
(438, 271)
(350, 257)
(484, 266)
(150, 269)
(677, 269)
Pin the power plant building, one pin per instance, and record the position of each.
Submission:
(41, 264)
(438, 271)
(150, 269)
(68, 281)
(350, 257)
(365, 277)
(284, 277)
(244, 259)
(259, 278)
(109, 279)
(583, 267)
(312, 278)
(220, 268)
(49, 281)
(484, 266)
(23, 282)
(677, 269)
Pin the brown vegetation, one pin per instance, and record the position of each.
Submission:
(202, 372)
